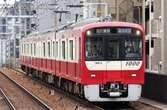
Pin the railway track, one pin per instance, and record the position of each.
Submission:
(7, 101)
(22, 99)
(82, 101)
(95, 106)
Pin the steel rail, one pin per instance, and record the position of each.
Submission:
(7, 100)
(34, 97)
(78, 99)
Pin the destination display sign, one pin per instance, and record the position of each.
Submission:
(113, 30)
(124, 30)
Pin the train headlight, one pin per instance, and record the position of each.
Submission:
(88, 33)
(138, 33)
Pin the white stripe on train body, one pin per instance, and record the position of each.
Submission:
(113, 65)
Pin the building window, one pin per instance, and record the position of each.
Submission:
(71, 50)
(17, 42)
(17, 53)
(63, 49)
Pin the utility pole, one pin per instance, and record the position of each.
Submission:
(117, 10)
(150, 35)
(143, 15)
(1, 53)
(164, 37)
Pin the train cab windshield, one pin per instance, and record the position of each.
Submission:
(123, 44)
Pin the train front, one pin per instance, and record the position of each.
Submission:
(113, 62)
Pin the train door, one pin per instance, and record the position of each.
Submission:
(113, 57)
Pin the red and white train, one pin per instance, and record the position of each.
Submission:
(102, 61)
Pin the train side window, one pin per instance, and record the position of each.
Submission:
(49, 49)
(31, 50)
(71, 50)
(24, 49)
(39, 54)
(36, 46)
(28, 50)
(34, 49)
(57, 51)
(63, 50)
(79, 48)
(40, 49)
(21, 49)
(44, 53)
(53, 49)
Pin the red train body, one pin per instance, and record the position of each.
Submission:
(102, 61)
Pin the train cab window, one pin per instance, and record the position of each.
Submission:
(63, 50)
(94, 48)
(133, 48)
(71, 55)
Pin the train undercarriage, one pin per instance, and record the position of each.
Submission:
(95, 93)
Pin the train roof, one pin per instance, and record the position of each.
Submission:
(83, 26)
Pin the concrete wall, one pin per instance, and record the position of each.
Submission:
(157, 8)
(164, 38)
(156, 57)
(155, 87)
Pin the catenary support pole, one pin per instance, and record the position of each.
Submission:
(164, 36)
(150, 35)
